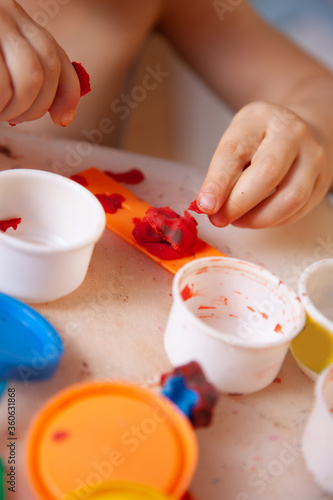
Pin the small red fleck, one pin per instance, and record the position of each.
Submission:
(6, 224)
(264, 315)
(277, 380)
(133, 176)
(186, 293)
(278, 328)
(110, 202)
(206, 307)
(233, 316)
(193, 206)
(251, 309)
(83, 77)
(60, 435)
(79, 179)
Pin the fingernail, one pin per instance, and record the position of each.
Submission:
(207, 202)
(67, 118)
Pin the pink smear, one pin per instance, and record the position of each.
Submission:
(110, 202)
(6, 224)
(133, 176)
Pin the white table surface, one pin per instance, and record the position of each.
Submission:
(113, 325)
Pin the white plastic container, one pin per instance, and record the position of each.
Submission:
(313, 348)
(235, 318)
(47, 256)
(318, 435)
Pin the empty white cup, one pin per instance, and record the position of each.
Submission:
(47, 256)
(318, 434)
(233, 317)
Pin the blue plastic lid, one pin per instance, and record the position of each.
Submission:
(30, 348)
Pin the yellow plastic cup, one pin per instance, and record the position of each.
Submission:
(100, 431)
(121, 490)
(313, 347)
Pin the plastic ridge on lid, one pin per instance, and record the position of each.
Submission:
(122, 223)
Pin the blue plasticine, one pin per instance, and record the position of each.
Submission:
(175, 389)
(30, 348)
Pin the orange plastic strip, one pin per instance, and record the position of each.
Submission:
(122, 223)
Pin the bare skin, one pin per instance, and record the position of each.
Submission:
(273, 164)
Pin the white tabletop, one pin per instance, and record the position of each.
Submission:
(112, 327)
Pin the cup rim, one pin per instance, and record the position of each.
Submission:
(319, 387)
(237, 342)
(312, 311)
(33, 248)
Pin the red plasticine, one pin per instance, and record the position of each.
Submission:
(166, 234)
(133, 176)
(83, 77)
(194, 207)
(79, 179)
(6, 224)
(110, 202)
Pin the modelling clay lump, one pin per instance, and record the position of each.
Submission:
(166, 234)
(187, 386)
(110, 202)
(5, 224)
(83, 77)
(193, 206)
(133, 176)
(79, 179)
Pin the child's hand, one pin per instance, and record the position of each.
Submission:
(270, 168)
(36, 75)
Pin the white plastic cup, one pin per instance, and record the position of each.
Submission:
(48, 255)
(233, 317)
(313, 348)
(318, 434)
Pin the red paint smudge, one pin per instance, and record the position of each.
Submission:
(168, 229)
(278, 328)
(187, 293)
(233, 316)
(110, 202)
(79, 179)
(133, 176)
(264, 315)
(277, 380)
(60, 435)
(193, 206)
(83, 77)
(202, 270)
(251, 309)
(206, 307)
(6, 224)
(236, 291)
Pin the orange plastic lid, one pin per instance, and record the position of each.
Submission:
(120, 490)
(99, 431)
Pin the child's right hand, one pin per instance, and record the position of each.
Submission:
(36, 75)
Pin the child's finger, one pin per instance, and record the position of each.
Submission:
(45, 49)
(62, 110)
(26, 72)
(233, 153)
(269, 165)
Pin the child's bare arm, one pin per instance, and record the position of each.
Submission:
(275, 161)
(35, 73)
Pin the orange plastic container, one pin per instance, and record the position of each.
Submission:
(122, 223)
(103, 431)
